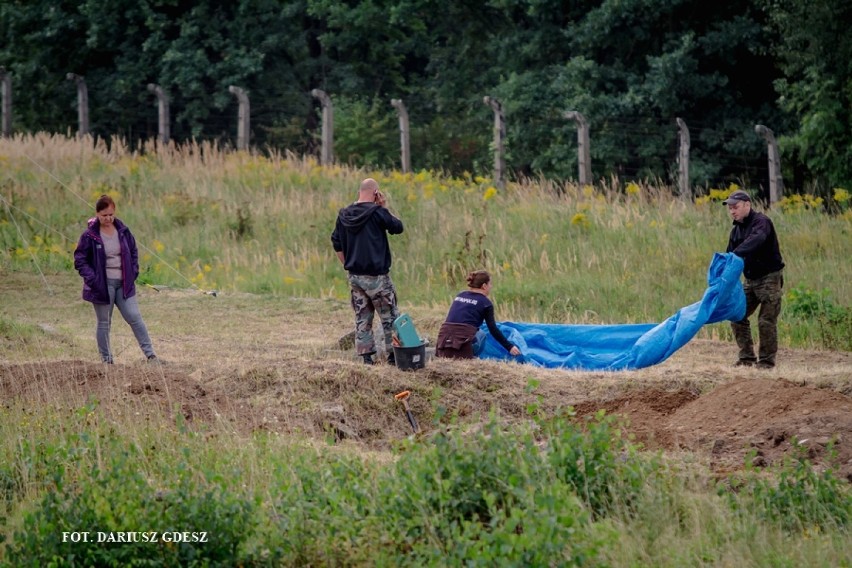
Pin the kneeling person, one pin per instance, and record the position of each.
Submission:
(459, 336)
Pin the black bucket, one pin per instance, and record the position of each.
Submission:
(410, 358)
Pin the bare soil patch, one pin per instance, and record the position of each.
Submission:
(773, 418)
(342, 400)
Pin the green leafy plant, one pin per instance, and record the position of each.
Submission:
(605, 470)
(800, 498)
(488, 496)
(804, 302)
(834, 321)
(113, 494)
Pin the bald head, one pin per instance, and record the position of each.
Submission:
(368, 189)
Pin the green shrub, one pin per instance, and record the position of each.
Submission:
(117, 496)
(834, 322)
(605, 470)
(486, 498)
(323, 512)
(482, 498)
(364, 132)
(805, 303)
(799, 499)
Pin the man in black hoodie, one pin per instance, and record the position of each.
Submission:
(360, 239)
(754, 240)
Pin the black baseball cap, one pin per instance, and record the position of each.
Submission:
(736, 197)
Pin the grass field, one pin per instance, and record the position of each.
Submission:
(283, 449)
(249, 223)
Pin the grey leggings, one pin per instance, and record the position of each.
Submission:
(129, 309)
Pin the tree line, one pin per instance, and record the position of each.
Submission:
(630, 66)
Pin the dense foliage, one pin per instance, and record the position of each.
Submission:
(550, 492)
(630, 66)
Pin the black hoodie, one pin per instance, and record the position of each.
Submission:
(361, 233)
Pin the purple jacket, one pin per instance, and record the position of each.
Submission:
(90, 262)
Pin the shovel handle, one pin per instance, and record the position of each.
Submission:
(412, 421)
(402, 396)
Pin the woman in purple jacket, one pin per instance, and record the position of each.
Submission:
(459, 336)
(107, 259)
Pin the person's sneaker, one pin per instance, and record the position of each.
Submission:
(745, 363)
(765, 365)
(107, 362)
(154, 360)
(368, 358)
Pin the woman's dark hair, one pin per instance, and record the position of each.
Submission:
(103, 202)
(478, 278)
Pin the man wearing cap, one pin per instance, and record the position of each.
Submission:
(753, 239)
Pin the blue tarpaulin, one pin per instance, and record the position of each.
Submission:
(629, 346)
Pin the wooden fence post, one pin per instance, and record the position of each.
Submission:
(327, 154)
(6, 88)
(243, 118)
(82, 103)
(163, 123)
(584, 160)
(683, 159)
(499, 141)
(403, 134)
(776, 184)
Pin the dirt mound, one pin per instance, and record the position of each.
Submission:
(768, 416)
(142, 390)
(772, 417)
(645, 411)
(322, 398)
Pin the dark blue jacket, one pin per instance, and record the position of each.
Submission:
(361, 234)
(754, 240)
(472, 308)
(90, 262)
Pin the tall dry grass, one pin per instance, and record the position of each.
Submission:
(214, 219)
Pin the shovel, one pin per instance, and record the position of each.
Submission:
(403, 398)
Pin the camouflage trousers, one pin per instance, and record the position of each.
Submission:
(371, 294)
(766, 293)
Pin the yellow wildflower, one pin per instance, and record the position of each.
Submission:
(719, 194)
(580, 220)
